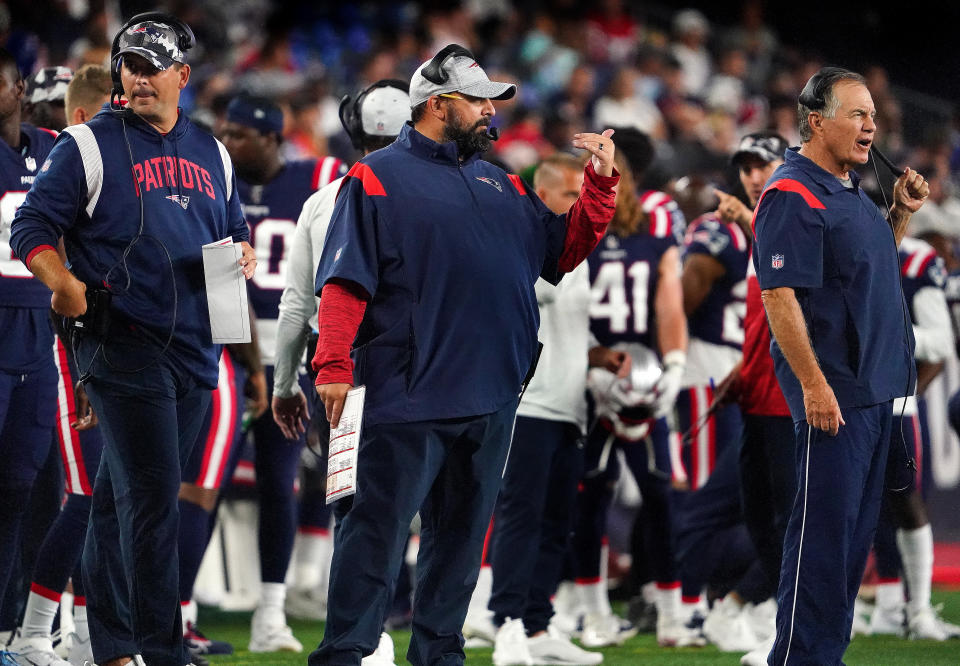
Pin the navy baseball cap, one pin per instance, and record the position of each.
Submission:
(257, 112)
(153, 40)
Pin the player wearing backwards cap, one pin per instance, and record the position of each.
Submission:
(372, 119)
(136, 229)
(272, 192)
(428, 271)
(80, 445)
(28, 377)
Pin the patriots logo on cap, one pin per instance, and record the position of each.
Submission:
(491, 182)
(142, 28)
(777, 261)
(180, 199)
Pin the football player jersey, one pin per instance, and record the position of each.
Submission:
(28, 336)
(623, 283)
(719, 318)
(952, 289)
(272, 211)
(920, 267)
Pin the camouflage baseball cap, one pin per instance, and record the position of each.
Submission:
(157, 42)
(48, 85)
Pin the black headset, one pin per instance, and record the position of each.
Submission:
(433, 71)
(185, 41)
(814, 94)
(351, 109)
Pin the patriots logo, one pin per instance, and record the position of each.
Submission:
(180, 199)
(142, 28)
(491, 182)
(777, 261)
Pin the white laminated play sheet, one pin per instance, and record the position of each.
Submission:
(344, 444)
(226, 292)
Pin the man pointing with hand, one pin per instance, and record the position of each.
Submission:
(827, 264)
(428, 273)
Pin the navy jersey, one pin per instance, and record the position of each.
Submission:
(952, 289)
(623, 283)
(920, 267)
(272, 211)
(32, 337)
(719, 318)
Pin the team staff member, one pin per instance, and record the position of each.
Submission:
(372, 119)
(429, 269)
(28, 378)
(827, 266)
(156, 364)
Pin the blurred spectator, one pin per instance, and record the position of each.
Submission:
(523, 144)
(549, 62)
(575, 102)
(612, 33)
(758, 41)
(691, 30)
(726, 90)
(622, 106)
(783, 118)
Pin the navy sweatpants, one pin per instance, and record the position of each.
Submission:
(149, 422)
(449, 471)
(533, 520)
(840, 483)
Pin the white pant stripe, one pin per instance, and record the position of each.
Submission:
(803, 525)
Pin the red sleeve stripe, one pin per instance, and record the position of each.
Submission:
(787, 185)
(48, 131)
(917, 263)
(517, 183)
(371, 184)
(35, 251)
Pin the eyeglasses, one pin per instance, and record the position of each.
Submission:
(450, 96)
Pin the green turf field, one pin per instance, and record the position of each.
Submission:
(867, 651)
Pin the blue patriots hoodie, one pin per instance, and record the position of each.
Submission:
(89, 192)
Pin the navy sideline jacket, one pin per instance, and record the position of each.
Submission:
(832, 246)
(88, 192)
(449, 253)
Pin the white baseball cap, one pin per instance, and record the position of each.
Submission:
(464, 75)
(384, 110)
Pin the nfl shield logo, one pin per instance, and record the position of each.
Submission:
(777, 261)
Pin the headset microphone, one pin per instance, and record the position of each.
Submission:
(492, 133)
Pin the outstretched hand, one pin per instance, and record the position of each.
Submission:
(601, 147)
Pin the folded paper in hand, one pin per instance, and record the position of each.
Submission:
(226, 292)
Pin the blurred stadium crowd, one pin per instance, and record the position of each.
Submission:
(693, 85)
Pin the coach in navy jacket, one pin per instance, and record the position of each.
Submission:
(827, 264)
(135, 194)
(428, 271)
